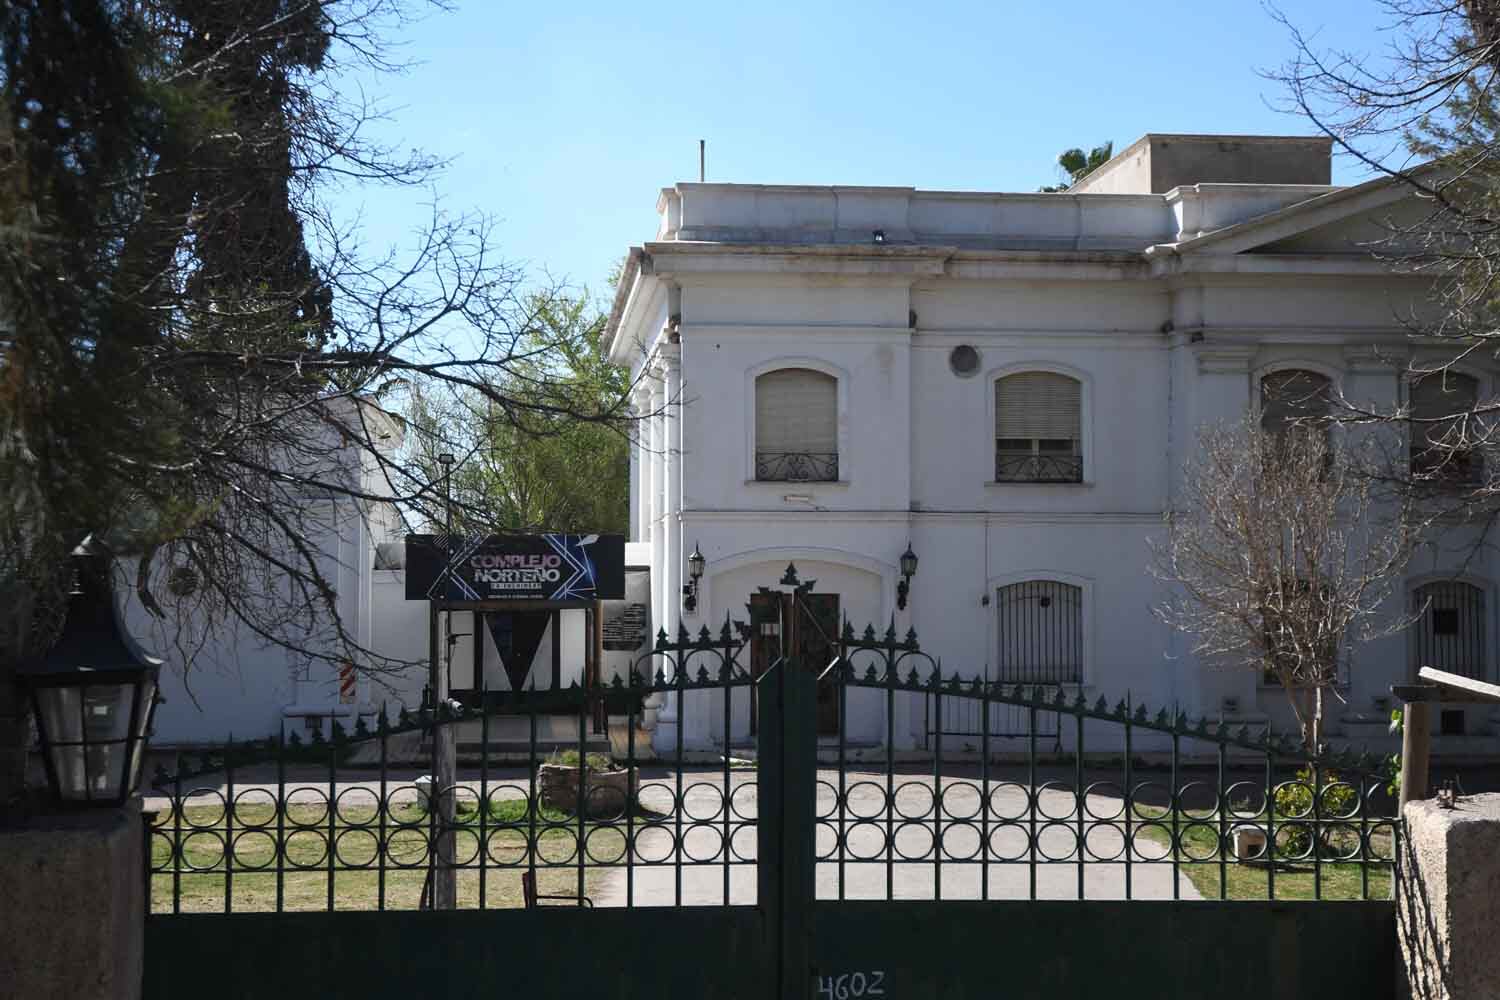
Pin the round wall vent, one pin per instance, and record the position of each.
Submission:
(964, 360)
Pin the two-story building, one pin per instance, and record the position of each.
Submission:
(1010, 385)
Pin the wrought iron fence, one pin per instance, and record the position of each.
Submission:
(797, 466)
(1116, 803)
(963, 722)
(1162, 806)
(1027, 467)
(348, 824)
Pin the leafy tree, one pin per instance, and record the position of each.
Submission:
(198, 362)
(542, 470)
(1077, 164)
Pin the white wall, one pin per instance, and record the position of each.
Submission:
(1158, 359)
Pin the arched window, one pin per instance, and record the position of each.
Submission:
(1451, 629)
(1041, 633)
(1291, 396)
(1038, 428)
(796, 426)
(1439, 450)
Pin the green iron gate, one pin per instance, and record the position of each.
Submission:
(1099, 860)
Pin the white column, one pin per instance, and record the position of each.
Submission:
(640, 469)
(672, 555)
(633, 522)
(1372, 379)
(653, 442)
(1220, 391)
(655, 459)
(664, 611)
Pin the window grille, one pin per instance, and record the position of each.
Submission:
(1041, 633)
(1038, 428)
(1436, 448)
(796, 426)
(1451, 629)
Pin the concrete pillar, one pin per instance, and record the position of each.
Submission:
(652, 453)
(664, 612)
(672, 551)
(75, 888)
(633, 529)
(1448, 899)
(1220, 392)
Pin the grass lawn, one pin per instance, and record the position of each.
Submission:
(355, 832)
(1295, 880)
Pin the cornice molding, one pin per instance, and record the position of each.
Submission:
(1374, 359)
(1223, 359)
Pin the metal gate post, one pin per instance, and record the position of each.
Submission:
(787, 796)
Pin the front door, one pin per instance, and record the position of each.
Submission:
(817, 635)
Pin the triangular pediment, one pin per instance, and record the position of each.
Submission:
(1355, 221)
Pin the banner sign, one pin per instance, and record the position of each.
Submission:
(515, 567)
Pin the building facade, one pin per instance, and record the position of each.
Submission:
(1010, 385)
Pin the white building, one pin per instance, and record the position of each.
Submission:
(1010, 383)
(227, 682)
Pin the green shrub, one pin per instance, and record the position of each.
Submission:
(1294, 804)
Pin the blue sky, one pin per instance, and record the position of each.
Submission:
(565, 119)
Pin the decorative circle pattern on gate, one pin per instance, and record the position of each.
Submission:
(1084, 799)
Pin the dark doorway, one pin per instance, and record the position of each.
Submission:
(817, 639)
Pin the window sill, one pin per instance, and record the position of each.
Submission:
(800, 484)
(1031, 485)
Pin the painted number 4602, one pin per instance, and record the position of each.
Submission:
(851, 985)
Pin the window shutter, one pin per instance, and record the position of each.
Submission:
(796, 410)
(1291, 395)
(1037, 405)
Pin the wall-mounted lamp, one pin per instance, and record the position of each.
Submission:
(695, 573)
(908, 570)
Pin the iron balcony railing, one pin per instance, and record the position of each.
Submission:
(1023, 467)
(797, 466)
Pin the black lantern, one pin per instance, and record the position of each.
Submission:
(696, 563)
(908, 570)
(92, 694)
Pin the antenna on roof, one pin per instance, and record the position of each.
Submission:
(701, 144)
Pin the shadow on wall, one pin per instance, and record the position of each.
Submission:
(1423, 972)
